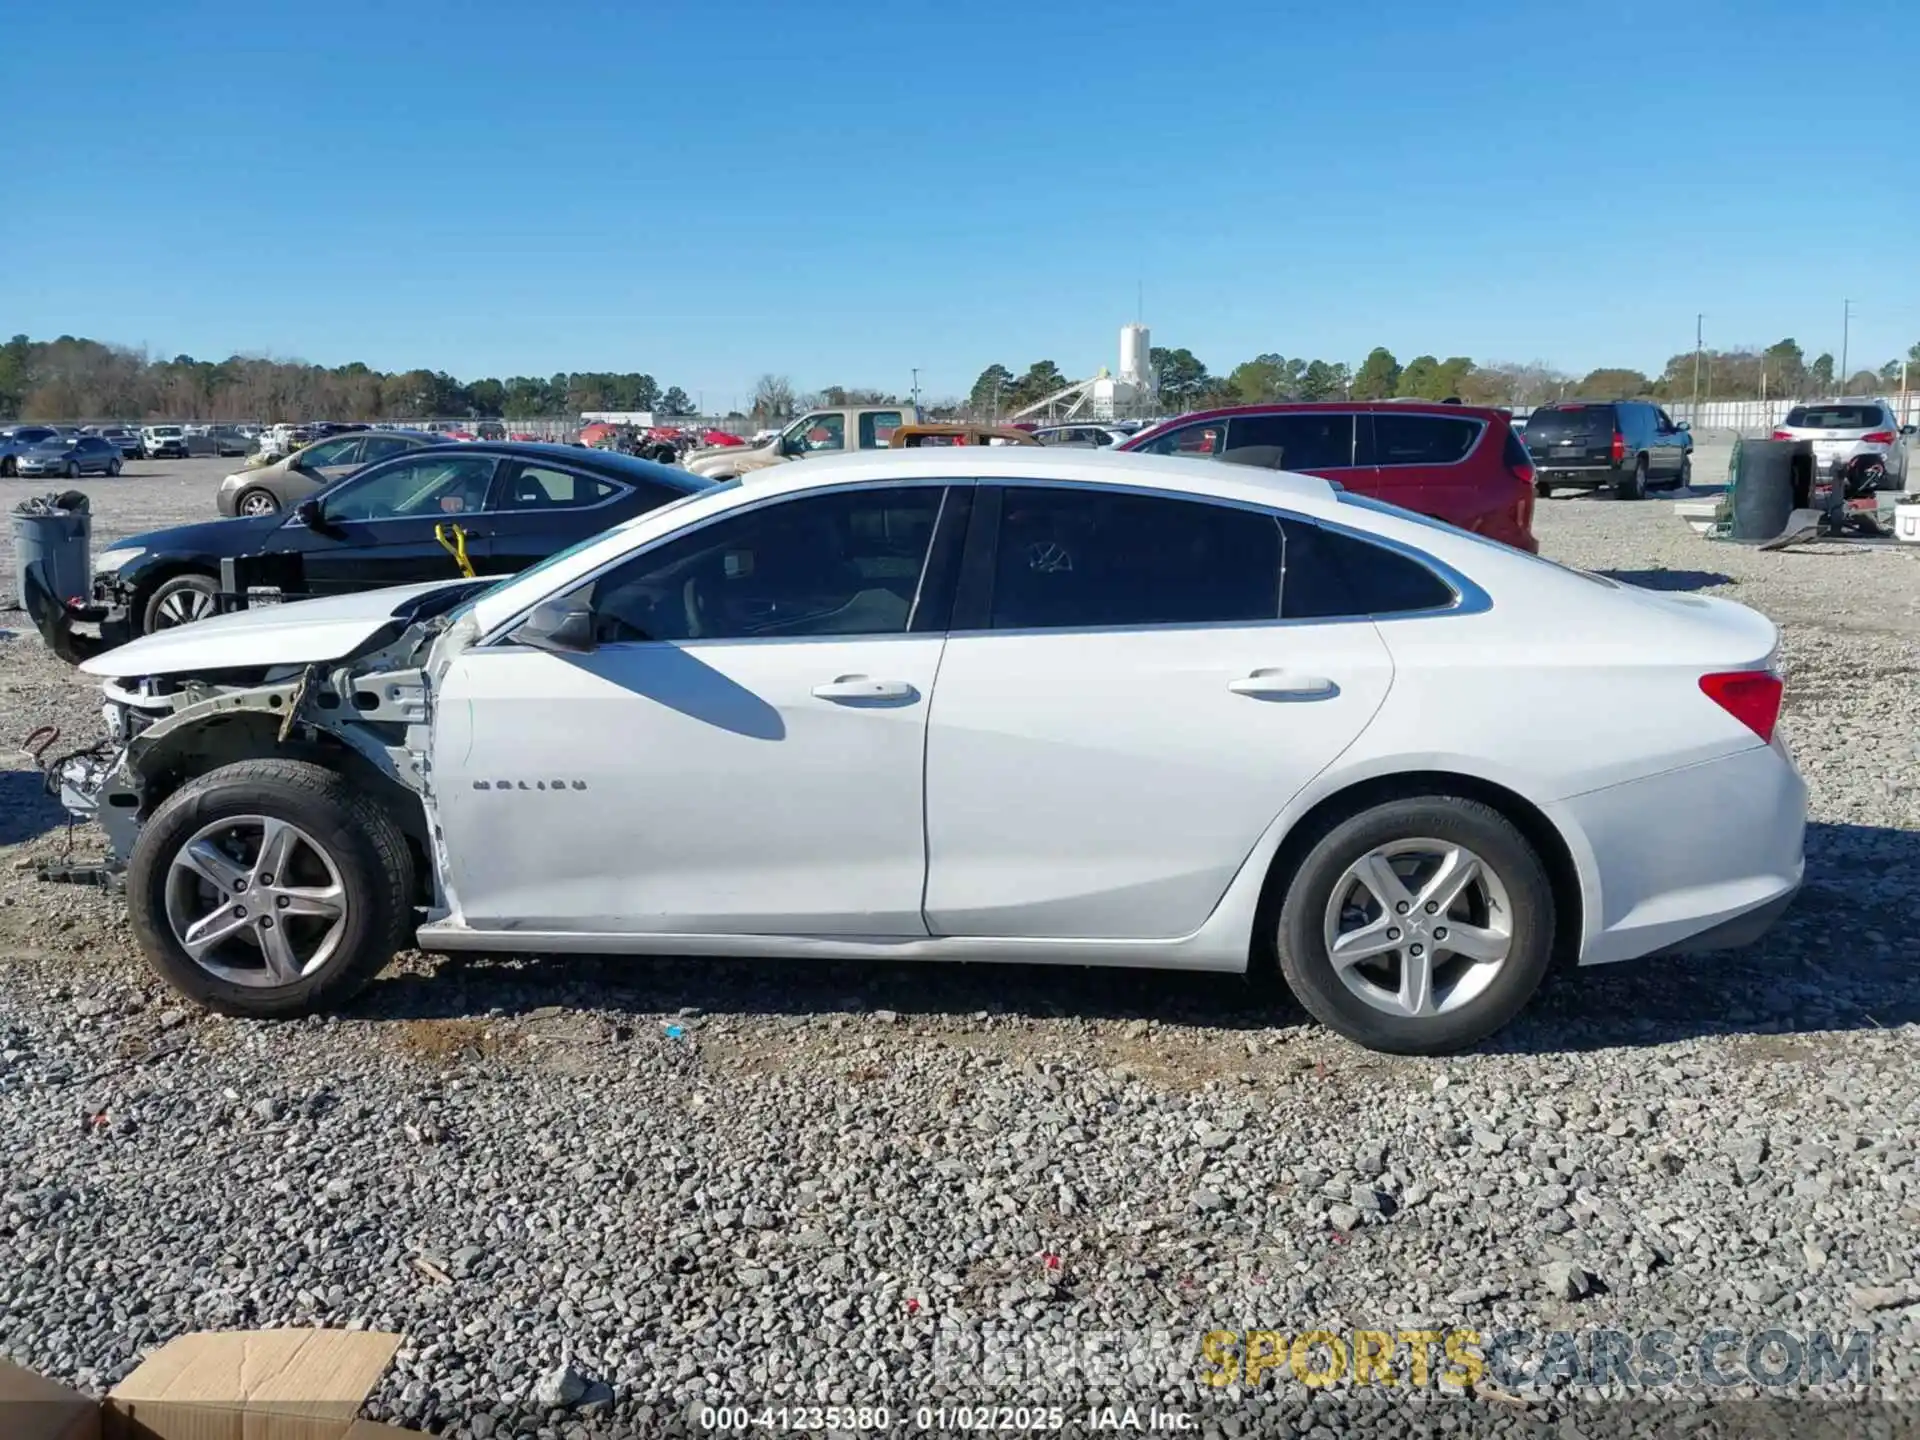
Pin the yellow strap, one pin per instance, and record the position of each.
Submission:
(453, 540)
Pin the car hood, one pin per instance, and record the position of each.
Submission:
(302, 632)
(729, 459)
(210, 537)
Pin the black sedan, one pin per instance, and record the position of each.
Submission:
(428, 514)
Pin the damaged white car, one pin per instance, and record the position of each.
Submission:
(977, 704)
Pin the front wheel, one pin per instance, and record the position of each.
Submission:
(1543, 488)
(270, 888)
(72, 472)
(113, 467)
(1685, 478)
(257, 502)
(1419, 926)
(179, 601)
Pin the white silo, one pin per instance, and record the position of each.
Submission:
(1136, 356)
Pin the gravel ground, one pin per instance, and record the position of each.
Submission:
(593, 1195)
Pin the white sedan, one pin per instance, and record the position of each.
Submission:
(1017, 704)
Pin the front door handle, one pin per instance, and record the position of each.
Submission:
(852, 689)
(1281, 685)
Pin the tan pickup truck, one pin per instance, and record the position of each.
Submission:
(833, 431)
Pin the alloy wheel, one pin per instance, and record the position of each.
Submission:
(256, 901)
(183, 607)
(1419, 927)
(258, 503)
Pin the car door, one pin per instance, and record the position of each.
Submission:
(540, 507)
(1122, 711)
(741, 750)
(383, 526)
(1673, 444)
(1417, 459)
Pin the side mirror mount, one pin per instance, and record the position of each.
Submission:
(1683, 425)
(564, 626)
(312, 514)
(1908, 429)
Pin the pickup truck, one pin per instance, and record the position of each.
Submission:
(832, 431)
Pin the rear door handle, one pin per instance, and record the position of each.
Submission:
(855, 688)
(1280, 685)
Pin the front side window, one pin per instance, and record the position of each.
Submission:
(1071, 558)
(439, 486)
(845, 563)
(1205, 439)
(331, 452)
(543, 487)
(1300, 440)
(877, 427)
(817, 432)
(1400, 438)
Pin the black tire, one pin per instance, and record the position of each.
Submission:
(1684, 480)
(171, 596)
(1543, 488)
(254, 497)
(113, 468)
(1634, 486)
(7, 467)
(359, 835)
(1302, 945)
(72, 472)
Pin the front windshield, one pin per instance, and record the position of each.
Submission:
(560, 556)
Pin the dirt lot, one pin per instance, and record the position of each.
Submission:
(688, 1181)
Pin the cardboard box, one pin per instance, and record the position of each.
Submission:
(217, 1385)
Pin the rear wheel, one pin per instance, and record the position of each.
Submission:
(1634, 487)
(72, 472)
(113, 467)
(1543, 488)
(270, 888)
(179, 601)
(1419, 926)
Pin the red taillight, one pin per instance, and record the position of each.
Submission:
(1751, 696)
(1879, 437)
(1783, 434)
(1619, 447)
(1522, 471)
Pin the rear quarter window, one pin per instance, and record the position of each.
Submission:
(1403, 439)
(1328, 575)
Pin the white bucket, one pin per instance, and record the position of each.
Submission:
(1906, 523)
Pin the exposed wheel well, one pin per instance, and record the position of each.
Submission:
(252, 735)
(1526, 817)
(158, 576)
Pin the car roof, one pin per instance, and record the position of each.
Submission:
(610, 462)
(1037, 463)
(1391, 407)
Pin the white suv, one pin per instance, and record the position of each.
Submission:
(1843, 429)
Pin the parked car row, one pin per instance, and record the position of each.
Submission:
(1020, 703)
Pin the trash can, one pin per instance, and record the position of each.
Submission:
(1769, 480)
(57, 538)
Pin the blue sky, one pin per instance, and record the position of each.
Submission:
(842, 191)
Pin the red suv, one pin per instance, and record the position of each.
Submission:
(1456, 463)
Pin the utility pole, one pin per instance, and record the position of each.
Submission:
(1699, 322)
(1846, 328)
(916, 387)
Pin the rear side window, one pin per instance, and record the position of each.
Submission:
(1834, 417)
(1301, 440)
(1329, 575)
(1075, 559)
(1400, 438)
(544, 487)
(1570, 422)
(877, 427)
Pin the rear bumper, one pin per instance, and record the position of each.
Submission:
(1592, 475)
(1701, 858)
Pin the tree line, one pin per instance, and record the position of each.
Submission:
(77, 379)
(1183, 381)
